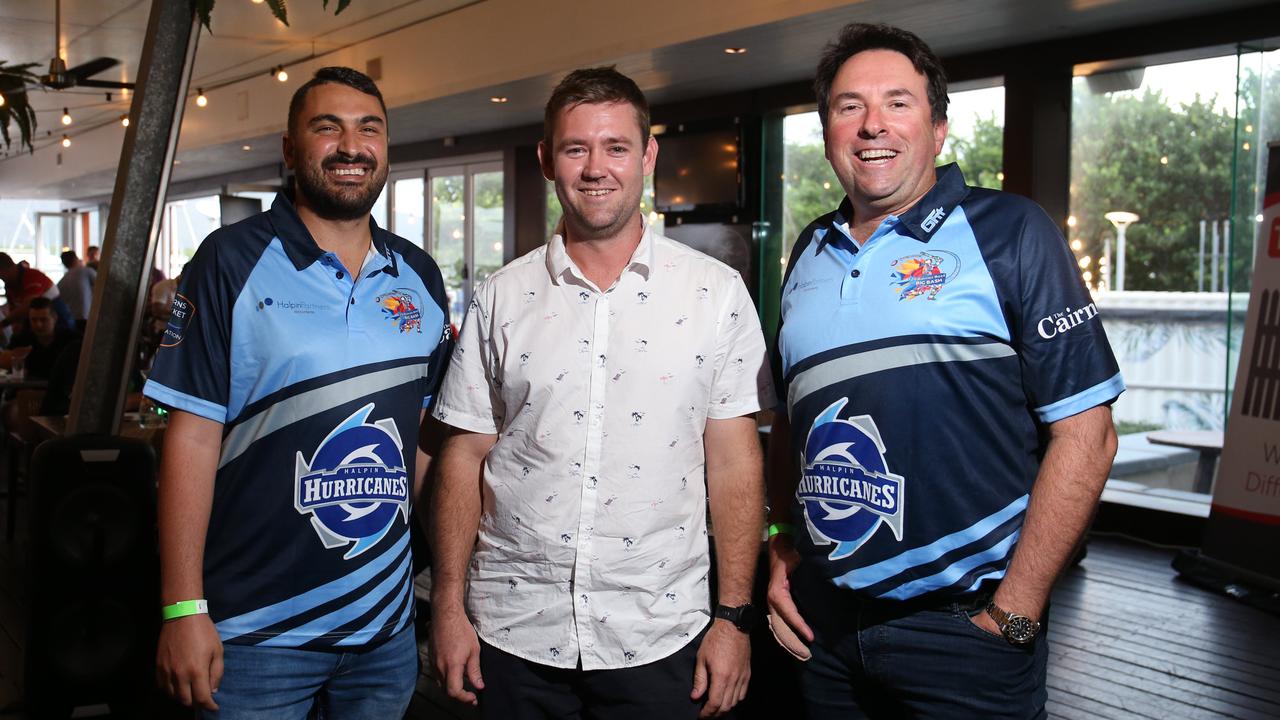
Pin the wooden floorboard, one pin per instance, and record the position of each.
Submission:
(1127, 640)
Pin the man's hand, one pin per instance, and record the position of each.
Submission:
(455, 652)
(189, 660)
(986, 623)
(783, 560)
(724, 663)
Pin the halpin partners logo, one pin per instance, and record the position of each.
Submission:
(845, 485)
(298, 307)
(924, 273)
(399, 306)
(355, 484)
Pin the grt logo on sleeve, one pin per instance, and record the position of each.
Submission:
(1061, 322)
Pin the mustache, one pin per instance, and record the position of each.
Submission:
(341, 158)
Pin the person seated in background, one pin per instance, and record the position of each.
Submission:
(76, 288)
(41, 343)
(23, 284)
(91, 257)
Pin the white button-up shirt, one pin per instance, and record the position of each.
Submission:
(592, 543)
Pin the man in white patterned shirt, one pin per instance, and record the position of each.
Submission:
(596, 379)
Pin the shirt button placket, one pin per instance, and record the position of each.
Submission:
(591, 467)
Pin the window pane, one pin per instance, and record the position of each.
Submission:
(1167, 144)
(447, 240)
(407, 222)
(975, 139)
(488, 224)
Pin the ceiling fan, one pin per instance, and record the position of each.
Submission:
(61, 78)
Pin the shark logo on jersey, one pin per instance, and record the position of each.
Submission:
(355, 484)
(845, 486)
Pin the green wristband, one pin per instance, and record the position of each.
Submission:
(184, 608)
(781, 529)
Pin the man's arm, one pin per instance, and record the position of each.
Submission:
(189, 657)
(784, 476)
(735, 488)
(455, 519)
(1072, 475)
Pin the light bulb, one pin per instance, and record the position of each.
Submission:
(66, 141)
(66, 117)
(201, 100)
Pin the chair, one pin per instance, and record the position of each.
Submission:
(21, 439)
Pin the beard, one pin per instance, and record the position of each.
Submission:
(340, 202)
(601, 223)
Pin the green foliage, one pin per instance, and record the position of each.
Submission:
(17, 106)
(1173, 167)
(981, 156)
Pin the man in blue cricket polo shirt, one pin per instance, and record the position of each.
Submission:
(304, 345)
(946, 431)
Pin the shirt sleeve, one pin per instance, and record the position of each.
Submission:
(1067, 362)
(743, 382)
(191, 371)
(437, 364)
(468, 397)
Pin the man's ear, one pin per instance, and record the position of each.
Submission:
(286, 149)
(546, 161)
(650, 155)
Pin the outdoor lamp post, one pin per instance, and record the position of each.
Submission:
(1121, 220)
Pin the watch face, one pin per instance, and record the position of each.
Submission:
(748, 616)
(1020, 629)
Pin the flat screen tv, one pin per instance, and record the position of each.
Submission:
(699, 171)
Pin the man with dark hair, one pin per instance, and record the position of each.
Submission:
(91, 257)
(39, 345)
(595, 380)
(302, 350)
(22, 284)
(947, 428)
(76, 287)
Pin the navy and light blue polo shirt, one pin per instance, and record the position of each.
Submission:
(319, 380)
(920, 371)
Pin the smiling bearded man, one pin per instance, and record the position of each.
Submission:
(303, 347)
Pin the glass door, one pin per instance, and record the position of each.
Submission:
(465, 227)
(54, 233)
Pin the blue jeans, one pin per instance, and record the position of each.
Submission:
(884, 660)
(285, 683)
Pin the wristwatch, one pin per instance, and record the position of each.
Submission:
(743, 617)
(1016, 629)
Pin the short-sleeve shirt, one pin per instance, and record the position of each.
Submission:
(592, 543)
(319, 384)
(76, 290)
(920, 372)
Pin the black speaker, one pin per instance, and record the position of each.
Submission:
(93, 576)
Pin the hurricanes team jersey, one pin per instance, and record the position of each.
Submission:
(919, 372)
(319, 383)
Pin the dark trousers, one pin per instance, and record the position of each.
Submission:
(519, 689)
(886, 660)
